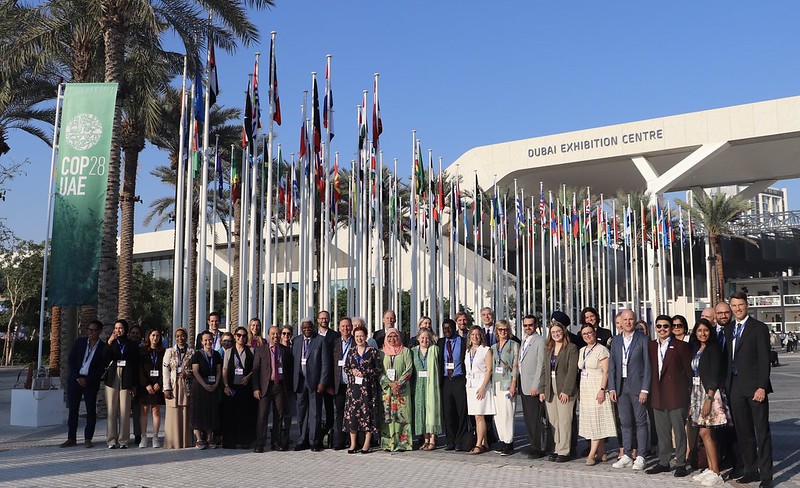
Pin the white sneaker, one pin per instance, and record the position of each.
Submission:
(156, 442)
(624, 462)
(638, 465)
(143, 442)
(705, 474)
(713, 480)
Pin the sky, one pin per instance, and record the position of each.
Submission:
(467, 74)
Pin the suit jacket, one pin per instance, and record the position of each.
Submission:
(458, 360)
(566, 373)
(130, 372)
(262, 368)
(338, 355)
(752, 357)
(531, 365)
(318, 362)
(330, 337)
(671, 391)
(639, 372)
(96, 366)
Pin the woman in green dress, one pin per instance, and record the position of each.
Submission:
(427, 400)
(396, 388)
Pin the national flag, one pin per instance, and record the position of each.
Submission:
(681, 228)
(542, 206)
(362, 125)
(256, 116)
(377, 123)
(337, 190)
(213, 80)
(199, 101)
(273, 83)
(477, 209)
(282, 179)
(576, 228)
(440, 194)
(235, 179)
(419, 172)
(520, 215)
(247, 124)
(327, 114)
(303, 143)
(587, 214)
(316, 127)
(219, 169)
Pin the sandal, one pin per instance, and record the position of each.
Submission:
(478, 450)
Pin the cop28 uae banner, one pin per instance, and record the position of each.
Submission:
(81, 176)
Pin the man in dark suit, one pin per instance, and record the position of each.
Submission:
(212, 325)
(312, 375)
(487, 324)
(671, 364)
(341, 348)
(272, 372)
(454, 393)
(629, 377)
(331, 336)
(389, 320)
(747, 379)
(86, 365)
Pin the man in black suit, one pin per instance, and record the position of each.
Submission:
(312, 375)
(212, 322)
(454, 393)
(86, 365)
(747, 378)
(341, 348)
(487, 323)
(331, 336)
(272, 372)
(389, 320)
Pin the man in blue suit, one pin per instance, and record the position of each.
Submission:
(86, 365)
(629, 377)
(312, 375)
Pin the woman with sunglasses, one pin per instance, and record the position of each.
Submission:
(680, 329)
(122, 378)
(238, 404)
(176, 371)
(505, 373)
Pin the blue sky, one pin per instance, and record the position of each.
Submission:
(465, 74)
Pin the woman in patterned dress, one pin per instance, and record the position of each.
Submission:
(361, 367)
(397, 366)
(427, 399)
(596, 421)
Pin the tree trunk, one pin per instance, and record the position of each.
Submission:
(55, 342)
(236, 235)
(132, 144)
(193, 325)
(716, 242)
(115, 30)
(69, 332)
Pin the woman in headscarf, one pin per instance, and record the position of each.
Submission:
(395, 384)
(177, 372)
(427, 398)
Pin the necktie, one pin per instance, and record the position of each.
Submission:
(274, 364)
(736, 335)
(450, 352)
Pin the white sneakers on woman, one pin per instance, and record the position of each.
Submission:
(143, 442)
(703, 475)
(156, 442)
(713, 480)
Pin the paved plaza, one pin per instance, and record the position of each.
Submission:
(29, 457)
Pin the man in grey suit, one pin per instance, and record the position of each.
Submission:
(531, 369)
(629, 376)
(312, 375)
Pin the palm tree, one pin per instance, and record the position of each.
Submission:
(715, 215)
(19, 96)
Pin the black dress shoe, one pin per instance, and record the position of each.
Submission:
(552, 457)
(68, 443)
(508, 450)
(317, 448)
(278, 448)
(765, 484)
(562, 459)
(301, 447)
(459, 447)
(659, 468)
(352, 451)
(365, 451)
(449, 447)
(88, 443)
(535, 454)
(499, 447)
(748, 478)
(258, 449)
(680, 472)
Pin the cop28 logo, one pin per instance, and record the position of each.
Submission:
(83, 131)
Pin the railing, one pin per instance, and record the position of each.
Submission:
(756, 223)
(790, 300)
(764, 300)
(784, 326)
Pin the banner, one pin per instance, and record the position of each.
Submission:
(81, 176)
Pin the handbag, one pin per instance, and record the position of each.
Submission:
(104, 376)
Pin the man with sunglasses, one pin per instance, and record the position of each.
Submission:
(531, 369)
(85, 368)
(670, 386)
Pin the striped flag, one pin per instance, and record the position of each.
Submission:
(273, 83)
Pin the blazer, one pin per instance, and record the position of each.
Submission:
(752, 357)
(458, 360)
(710, 366)
(639, 371)
(130, 372)
(531, 365)
(671, 390)
(510, 364)
(262, 368)
(336, 356)
(170, 365)
(229, 364)
(566, 373)
(96, 366)
(318, 363)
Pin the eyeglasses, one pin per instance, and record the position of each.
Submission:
(587, 333)
(286, 333)
(502, 330)
(663, 326)
(678, 324)
(529, 325)
(240, 335)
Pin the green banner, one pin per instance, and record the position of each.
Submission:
(81, 176)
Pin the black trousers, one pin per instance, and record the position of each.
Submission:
(327, 425)
(454, 408)
(532, 413)
(76, 393)
(309, 414)
(339, 439)
(751, 421)
(273, 399)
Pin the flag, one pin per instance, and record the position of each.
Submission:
(520, 215)
(199, 101)
(362, 128)
(337, 190)
(213, 80)
(282, 179)
(317, 128)
(377, 123)
(273, 83)
(419, 172)
(303, 143)
(477, 209)
(681, 228)
(295, 200)
(542, 207)
(327, 114)
(235, 179)
(576, 228)
(247, 124)
(256, 107)
(219, 169)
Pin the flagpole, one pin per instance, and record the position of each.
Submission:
(336, 247)
(229, 251)
(543, 229)
(517, 262)
(180, 210)
(188, 215)
(202, 252)
(214, 231)
(689, 198)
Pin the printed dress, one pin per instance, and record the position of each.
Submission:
(719, 416)
(396, 427)
(360, 399)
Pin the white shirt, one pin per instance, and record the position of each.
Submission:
(87, 358)
(663, 347)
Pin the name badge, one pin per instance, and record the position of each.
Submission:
(280, 369)
(584, 374)
(499, 370)
(340, 363)
(696, 381)
(180, 369)
(624, 371)
(239, 371)
(359, 380)
(121, 363)
(391, 374)
(422, 374)
(303, 361)
(450, 366)
(211, 379)
(154, 373)
(552, 374)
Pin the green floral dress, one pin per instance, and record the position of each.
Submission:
(396, 427)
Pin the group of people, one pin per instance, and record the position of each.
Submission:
(353, 390)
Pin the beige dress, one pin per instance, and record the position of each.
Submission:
(596, 421)
(177, 429)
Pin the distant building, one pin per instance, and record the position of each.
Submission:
(769, 201)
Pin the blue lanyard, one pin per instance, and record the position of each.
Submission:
(346, 346)
(360, 357)
(696, 362)
(121, 347)
(472, 358)
(553, 358)
(154, 358)
(626, 352)
(423, 360)
(238, 359)
(210, 359)
(180, 355)
(586, 353)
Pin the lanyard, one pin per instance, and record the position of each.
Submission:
(586, 353)
(360, 357)
(500, 350)
(210, 359)
(89, 352)
(180, 355)
(238, 359)
(391, 361)
(553, 358)
(696, 362)
(277, 354)
(450, 349)
(423, 360)
(472, 357)
(121, 347)
(346, 346)
(663, 352)
(626, 351)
